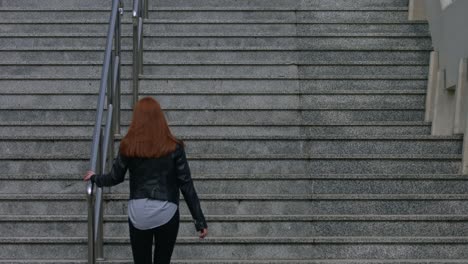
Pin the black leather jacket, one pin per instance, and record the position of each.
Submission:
(157, 178)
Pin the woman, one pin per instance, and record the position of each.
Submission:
(158, 169)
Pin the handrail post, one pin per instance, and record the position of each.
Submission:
(140, 11)
(98, 234)
(118, 49)
(145, 8)
(89, 198)
(140, 7)
(135, 70)
(110, 84)
(140, 45)
(116, 99)
(107, 142)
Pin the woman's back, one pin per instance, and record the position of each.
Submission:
(158, 169)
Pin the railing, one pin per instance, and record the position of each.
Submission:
(447, 86)
(103, 140)
(140, 11)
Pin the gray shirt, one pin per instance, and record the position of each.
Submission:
(147, 213)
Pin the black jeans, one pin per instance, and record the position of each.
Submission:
(164, 237)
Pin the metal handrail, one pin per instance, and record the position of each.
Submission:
(103, 141)
(140, 11)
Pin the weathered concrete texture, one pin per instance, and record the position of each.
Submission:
(244, 184)
(417, 10)
(461, 103)
(211, 117)
(303, 122)
(228, 130)
(222, 57)
(269, 226)
(261, 145)
(230, 102)
(322, 164)
(444, 108)
(432, 85)
(95, 42)
(205, 16)
(194, 86)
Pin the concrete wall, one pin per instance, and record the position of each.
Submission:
(449, 31)
(447, 91)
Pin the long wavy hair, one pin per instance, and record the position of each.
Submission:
(149, 135)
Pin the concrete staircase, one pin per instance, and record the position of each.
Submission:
(303, 121)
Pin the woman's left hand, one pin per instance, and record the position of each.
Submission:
(203, 233)
(88, 175)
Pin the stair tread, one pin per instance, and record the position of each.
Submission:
(257, 34)
(244, 261)
(200, 8)
(309, 77)
(250, 240)
(301, 21)
(219, 63)
(224, 77)
(292, 92)
(218, 176)
(224, 108)
(243, 218)
(259, 48)
(259, 156)
(174, 123)
(267, 197)
(251, 138)
(156, 21)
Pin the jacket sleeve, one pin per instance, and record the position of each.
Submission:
(185, 182)
(115, 176)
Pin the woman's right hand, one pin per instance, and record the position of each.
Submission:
(88, 175)
(203, 233)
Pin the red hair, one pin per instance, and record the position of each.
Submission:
(149, 135)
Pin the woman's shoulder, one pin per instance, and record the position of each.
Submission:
(179, 147)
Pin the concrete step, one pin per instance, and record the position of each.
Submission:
(252, 226)
(194, 86)
(222, 57)
(297, 4)
(263, 261)
(244, 184)
(255, 164)
(201, 117)
(254, 248)
(301, 75)
(223, 204)
(298, 16)
(262, 145)
(273, 71)
(398, 100)
(330, 42)
(225, 29)
(211, 16)
(208, 4)
(97, 42)
(59, 5)
(86, 128)
(213, 71)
